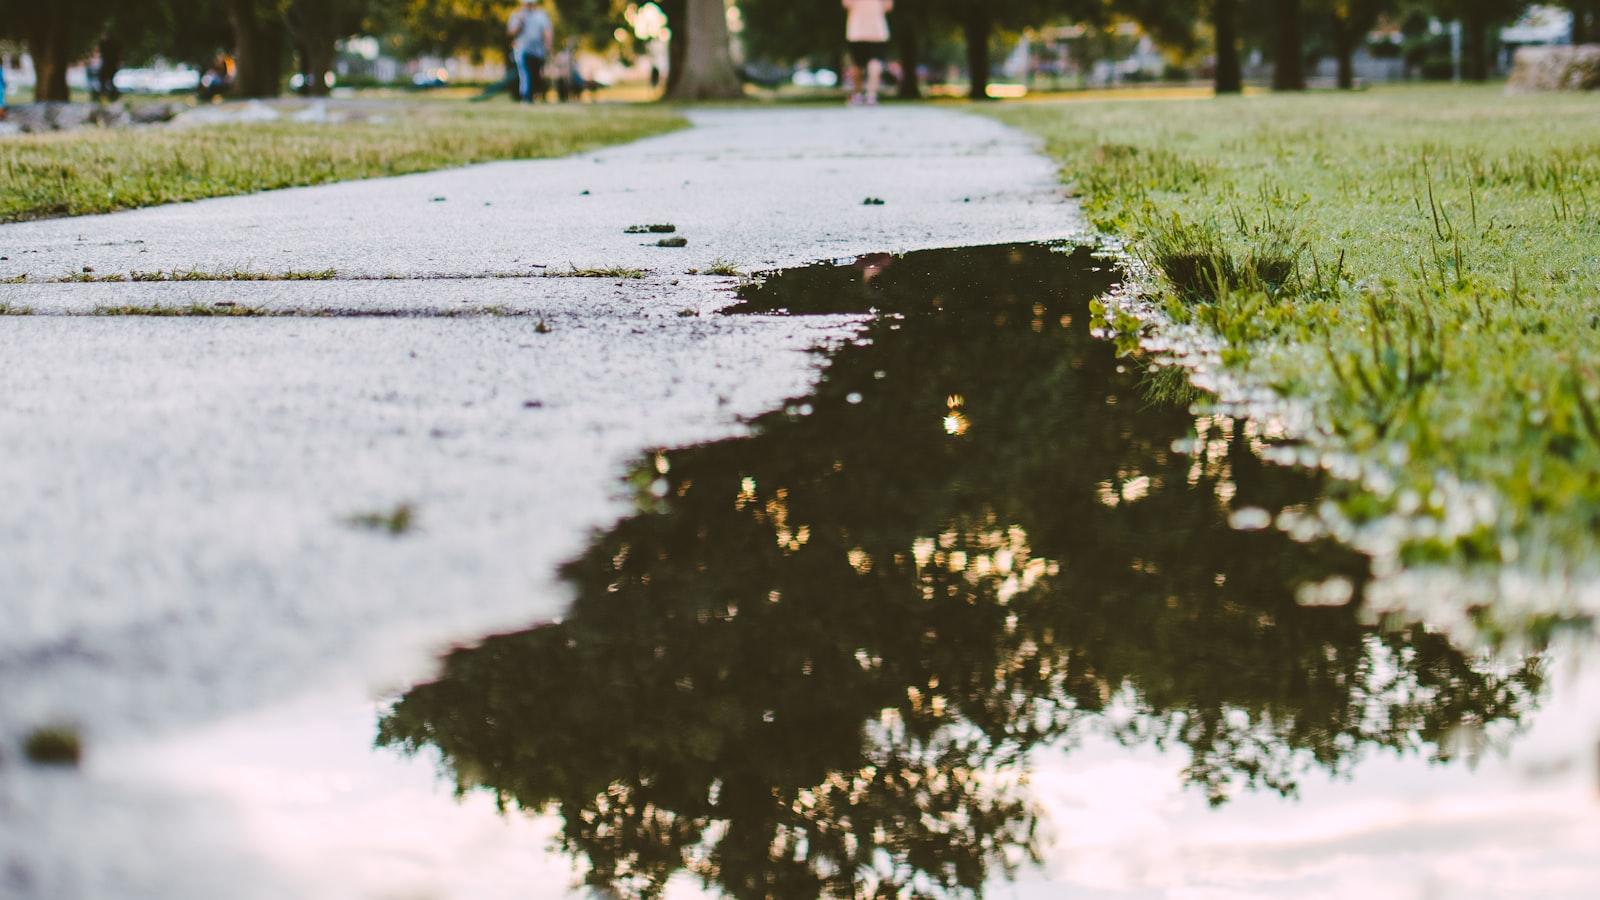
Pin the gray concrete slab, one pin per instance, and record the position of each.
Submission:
(175, 536)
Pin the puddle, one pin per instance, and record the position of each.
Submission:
(962, 620)
(965, 613)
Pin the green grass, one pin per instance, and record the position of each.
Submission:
(1422, 265)
(233, 310)
(195, 275)
(192, 310)
(601, 272)
(96, 171)
(393, 522)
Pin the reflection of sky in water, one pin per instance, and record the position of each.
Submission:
(299, 791)
(972, 553)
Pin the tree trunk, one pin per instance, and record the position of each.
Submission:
(677, 50)
(707, 72)
(676, 46)
(110, 65)
(1224, 19)
(258, 45)
(1475, 46)
(1585, 17)
(1344, 48)
(1288, 68)
(315, 27)
(976, 27)
(910, 45)
(49, 45)
(316, 63)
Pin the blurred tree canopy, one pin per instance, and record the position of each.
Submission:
(57, 33)
(269, 38)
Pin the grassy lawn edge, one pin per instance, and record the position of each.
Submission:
(106, 170)
(1407, 273)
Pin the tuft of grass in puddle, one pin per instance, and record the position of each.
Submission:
(55, 745)
(101, 170)
(724, 267)
(15, 309)
(394, 522)
(1416, 263)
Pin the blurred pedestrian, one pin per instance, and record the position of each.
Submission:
(216, 82)
(103, 75)
(513, 81)
(92, 70)
(2, 88)
(532, 35)
(866, 30)
(570, 84)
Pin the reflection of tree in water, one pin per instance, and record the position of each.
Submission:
(814, 659)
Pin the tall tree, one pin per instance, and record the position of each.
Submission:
(1174, 23)
(316, 26)
(978, 20)
(1585, 20)
(1477, 18)
(259, 47)
(56, 33)
(1225, 22)
(190, 31)
(1348, 22)
(909, 21)
(1288, 64)
(706, 71)
(977, 26)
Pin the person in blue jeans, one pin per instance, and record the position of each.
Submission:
(532, 35)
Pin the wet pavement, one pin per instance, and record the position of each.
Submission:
(987, 607)
(180, 488)
(181, 543)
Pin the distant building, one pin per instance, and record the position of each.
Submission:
(1540, 26)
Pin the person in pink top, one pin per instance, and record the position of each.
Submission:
(866, 29)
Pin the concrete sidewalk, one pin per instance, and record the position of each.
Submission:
(755, 188)
(176, 544)
(175, 539)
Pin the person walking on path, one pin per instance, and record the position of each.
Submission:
(532, 35)
(866, 29)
